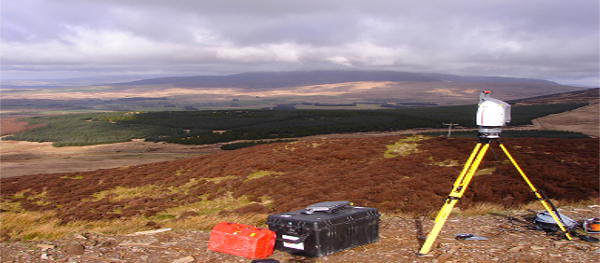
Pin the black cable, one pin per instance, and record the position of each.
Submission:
(510, 218)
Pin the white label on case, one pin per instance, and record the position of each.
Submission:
(299, 246)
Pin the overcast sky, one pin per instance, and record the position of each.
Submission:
(547, 39)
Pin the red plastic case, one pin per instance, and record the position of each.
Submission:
(242, 240)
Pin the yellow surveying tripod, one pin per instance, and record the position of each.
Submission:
(491, 115)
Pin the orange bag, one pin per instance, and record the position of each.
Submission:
(241, 240)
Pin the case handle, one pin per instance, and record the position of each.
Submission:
(238, 226)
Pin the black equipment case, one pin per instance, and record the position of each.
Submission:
(324, 228)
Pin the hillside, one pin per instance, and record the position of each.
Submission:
(304, 90)
(580, 96)
(99, 212)
(393, 174)
(273, 80)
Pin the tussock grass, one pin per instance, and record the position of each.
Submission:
(403, 147)
(482, 171)
(448, 162)
(36, 225)
(27, 225)
(260, 174)
(217, 180)
(205, 207)
(121, 193)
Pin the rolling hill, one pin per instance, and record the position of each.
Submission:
(305, 90)
(273, 80)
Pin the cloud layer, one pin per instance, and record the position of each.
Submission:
(551, 39)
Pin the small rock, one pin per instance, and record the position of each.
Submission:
(444, 257)
(109, 243)
(537, 248)
(516, 249)
(74, 248)
(45, 246)
(45, 256)
(582, 247)
(559, 244)
(150, 232)
(80, 237)
(187, 259)
(597, 251)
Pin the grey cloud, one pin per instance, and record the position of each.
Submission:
(544, 39)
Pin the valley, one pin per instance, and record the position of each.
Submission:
(100, 196)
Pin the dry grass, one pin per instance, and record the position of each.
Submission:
(449, 162)
(46, 226)
(123, 193)
(403, 147)
(39, 225)
(26, 225)
(217, 180)
(260, 174)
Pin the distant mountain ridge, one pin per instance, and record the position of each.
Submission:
(590, 96)
(267, 80)
(305, 89)
(462, 79)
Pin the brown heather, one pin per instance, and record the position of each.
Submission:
(247, 184)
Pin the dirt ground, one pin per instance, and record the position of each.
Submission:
(508, 241)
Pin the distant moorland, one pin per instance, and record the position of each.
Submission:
(258, 90)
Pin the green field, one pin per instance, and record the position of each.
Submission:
(198, 127)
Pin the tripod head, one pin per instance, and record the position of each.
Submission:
(492, 114)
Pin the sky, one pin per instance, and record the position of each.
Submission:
(556, 40)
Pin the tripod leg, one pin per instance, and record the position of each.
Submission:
(535, 191)
(460, 186)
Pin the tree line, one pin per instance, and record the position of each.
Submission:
(213, 126)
